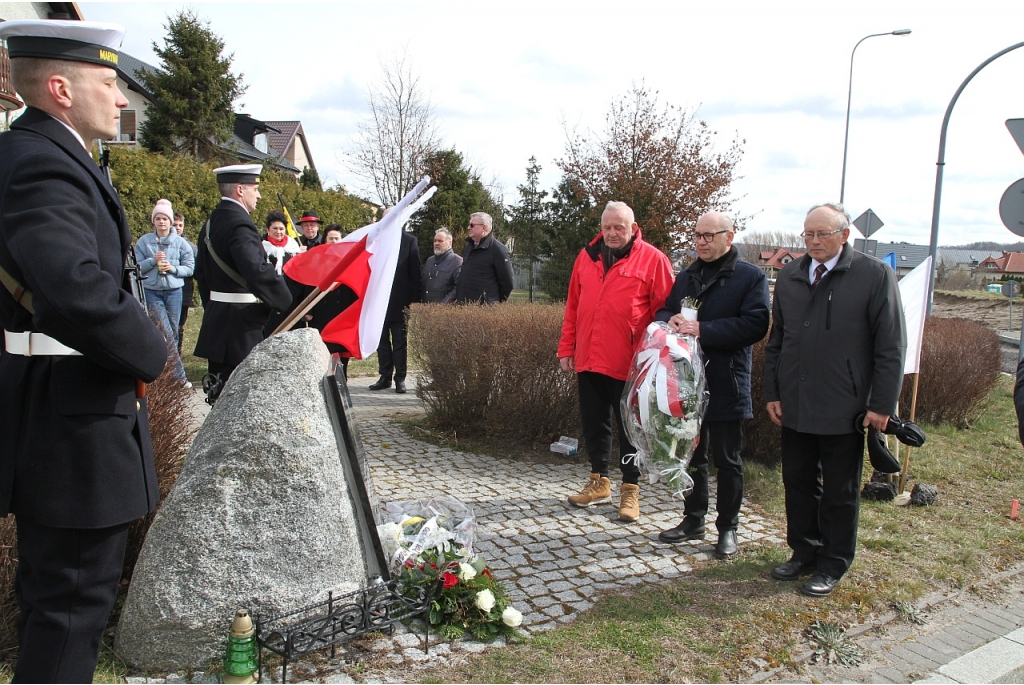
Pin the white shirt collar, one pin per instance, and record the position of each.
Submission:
(829, 265)
(73, 131)
(231, 199)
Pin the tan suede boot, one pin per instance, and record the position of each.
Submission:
(597, 491)
(629, 503)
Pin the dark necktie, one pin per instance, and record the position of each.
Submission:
(818, 273)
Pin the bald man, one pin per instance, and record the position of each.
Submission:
(732, 315)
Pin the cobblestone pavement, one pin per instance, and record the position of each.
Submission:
(552, 557)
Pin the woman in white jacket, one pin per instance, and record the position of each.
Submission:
(280, 248)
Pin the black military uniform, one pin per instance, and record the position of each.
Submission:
(76, 463)
(234, 316)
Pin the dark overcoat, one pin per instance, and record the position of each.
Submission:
(406, 287)
(440, 274)
(230, 331)
(733, 315)
(74, 439)
(486, 274)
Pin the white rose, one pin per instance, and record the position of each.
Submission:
(485, 600)
(466, 572)
(512, 617)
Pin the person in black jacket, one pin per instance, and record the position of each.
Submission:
(732, 314)
(309, 224)
(76, 463)
(486, 274)
(240, 289)
(393, 350)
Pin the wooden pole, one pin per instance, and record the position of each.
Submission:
(913, 416)
(303, 307)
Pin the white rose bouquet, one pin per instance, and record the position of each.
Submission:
(663, 404)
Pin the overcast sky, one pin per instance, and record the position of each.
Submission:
(504, 77)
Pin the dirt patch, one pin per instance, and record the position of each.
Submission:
(992, 313)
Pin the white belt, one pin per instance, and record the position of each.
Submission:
(233, 298)
(32, 344)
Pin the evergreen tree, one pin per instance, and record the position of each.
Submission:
(193, 92)
(459, 193)
(310, 179)
(573, 222)
(528, 220)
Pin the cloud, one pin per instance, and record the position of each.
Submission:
(820, 107)
(781, 159)
(544, 68)
(344, 97)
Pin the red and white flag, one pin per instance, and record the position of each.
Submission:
(364, 261)
(914, 295)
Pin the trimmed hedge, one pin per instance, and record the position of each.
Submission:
(142, 178)
(494, 370)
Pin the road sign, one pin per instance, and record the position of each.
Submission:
(1011, 289)
(868, 223)
(1016, 128)
(866, 246)
(1011, 207)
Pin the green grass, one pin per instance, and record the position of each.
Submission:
(979, 295)
(728, 620)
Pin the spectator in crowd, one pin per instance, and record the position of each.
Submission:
(188, 289)
(732, 314)
(309, 224)
(235, 313)
(164, 260)
(393, 350)
(333, 303)
(441, 272)
(486, 274)
(835, 351)
(333, 234)
(618, 283)
(278, 246)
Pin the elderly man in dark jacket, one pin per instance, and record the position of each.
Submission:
(441, 272)
(486, 274)
(732, 296)
(835, 352)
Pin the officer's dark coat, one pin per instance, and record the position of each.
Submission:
(406, 287)
(230, 331)
(74, 443)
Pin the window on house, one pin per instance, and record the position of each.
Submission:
(259, 141)
(126, 127)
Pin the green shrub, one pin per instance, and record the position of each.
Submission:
(494, 370)
(142, 178)
(960, 362)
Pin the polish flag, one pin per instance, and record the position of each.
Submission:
(914, 296)
(364, 261)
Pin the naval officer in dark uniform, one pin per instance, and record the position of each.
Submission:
(76, 464)
(238, 285)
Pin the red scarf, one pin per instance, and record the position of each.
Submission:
(276, 243)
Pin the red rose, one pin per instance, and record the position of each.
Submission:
(450, 580)
(487, 573)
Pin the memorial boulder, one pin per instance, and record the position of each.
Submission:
(260, 518)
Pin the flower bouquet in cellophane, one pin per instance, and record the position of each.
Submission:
(663, 404)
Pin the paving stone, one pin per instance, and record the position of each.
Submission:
(408, 640)
(567, 596)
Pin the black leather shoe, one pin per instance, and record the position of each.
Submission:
(792, 569)
(820, 585)
(726, 546)
(400, 387)
(689, 529)
(381, 384)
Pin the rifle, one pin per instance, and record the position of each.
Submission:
(132, 272)
(292, 233)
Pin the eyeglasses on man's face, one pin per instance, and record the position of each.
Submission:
(707, 237)
(820, 235)
(472, 225)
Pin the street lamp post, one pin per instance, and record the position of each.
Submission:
(849, 96)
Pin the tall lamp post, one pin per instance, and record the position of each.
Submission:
(933, 245)
(849, 96)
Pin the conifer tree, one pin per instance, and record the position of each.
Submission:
(193, 92)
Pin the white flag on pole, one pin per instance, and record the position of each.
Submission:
(914, 293)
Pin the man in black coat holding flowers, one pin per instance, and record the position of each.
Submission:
(731, 297)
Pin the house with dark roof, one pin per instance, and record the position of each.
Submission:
(289, 141)
(249, 142)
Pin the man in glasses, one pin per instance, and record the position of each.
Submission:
(835, 353)
(618, 283)
(732, 315)
(486, 274)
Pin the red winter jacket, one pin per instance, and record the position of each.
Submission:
(606, 313)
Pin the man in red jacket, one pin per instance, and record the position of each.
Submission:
(618, 284)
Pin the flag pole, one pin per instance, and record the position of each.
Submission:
(913, 417)
(301, 310)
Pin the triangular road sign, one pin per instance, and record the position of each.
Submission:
(1016, 128)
